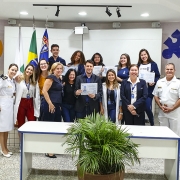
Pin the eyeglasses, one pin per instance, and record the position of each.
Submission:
(43, 64)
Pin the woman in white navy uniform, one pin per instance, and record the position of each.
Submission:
(7, 92)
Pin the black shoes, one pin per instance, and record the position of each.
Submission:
(50, 156)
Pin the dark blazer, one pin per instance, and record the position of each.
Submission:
(81, 99)
(141, 95)
(52, 61)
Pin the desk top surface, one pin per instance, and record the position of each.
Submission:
(154, 132)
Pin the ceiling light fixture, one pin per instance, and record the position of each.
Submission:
(85, 5)
(24, 13)
(82, 13)
(80, 5)
(145, 15)
(118, 12)
(57, 11)
(108, 12)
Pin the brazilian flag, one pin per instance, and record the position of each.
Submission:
(32, 55)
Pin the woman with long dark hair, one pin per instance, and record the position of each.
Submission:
(42, 73)
(97, 59)
(145, 63)
(69, 99)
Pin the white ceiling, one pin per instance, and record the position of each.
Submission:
(159, 10)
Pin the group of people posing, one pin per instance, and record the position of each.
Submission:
(43, 93)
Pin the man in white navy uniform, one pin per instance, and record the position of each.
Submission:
(167, 96)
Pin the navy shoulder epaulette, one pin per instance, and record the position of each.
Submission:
(3, 77)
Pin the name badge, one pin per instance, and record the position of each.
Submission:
(28, 96)
(132, 96)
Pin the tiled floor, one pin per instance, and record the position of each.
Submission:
(62, 168)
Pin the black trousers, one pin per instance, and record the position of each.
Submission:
(133, 119)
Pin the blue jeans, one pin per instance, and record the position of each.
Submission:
(112, 112)
(68, 112)
(149, 110)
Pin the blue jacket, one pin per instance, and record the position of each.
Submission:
(80, 70)
(141, 95)
(154, 68)
(52, 61)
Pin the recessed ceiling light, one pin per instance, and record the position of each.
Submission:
(24, 13)
(145, 14)
(82, 13)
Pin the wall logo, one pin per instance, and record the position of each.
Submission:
(173, 48)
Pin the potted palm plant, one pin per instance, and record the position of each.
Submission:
(102, 148)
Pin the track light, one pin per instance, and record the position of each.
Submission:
(108, 11)
(118, 12)
(57, 11)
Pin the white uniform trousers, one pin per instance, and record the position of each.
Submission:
(171, 120)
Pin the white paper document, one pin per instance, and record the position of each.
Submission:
(106, 68)
(88, 88)
(147, 76)
(65, 70)
(97, 70)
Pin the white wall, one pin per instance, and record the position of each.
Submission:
(112, 43)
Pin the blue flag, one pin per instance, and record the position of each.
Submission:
(44, 53)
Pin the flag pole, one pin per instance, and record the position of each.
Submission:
(33, 23)
(19, 31)
(46, 25)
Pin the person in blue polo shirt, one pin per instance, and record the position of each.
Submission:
(55, 56)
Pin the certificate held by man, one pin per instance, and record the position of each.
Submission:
(88, 88)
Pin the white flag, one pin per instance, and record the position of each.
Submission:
(19, 53)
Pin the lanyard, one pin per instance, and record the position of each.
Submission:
(28, 86)
(133, 87)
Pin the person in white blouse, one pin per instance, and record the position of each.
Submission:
(167, 96)
(111, 105)
(7, 92)
(27, 103)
